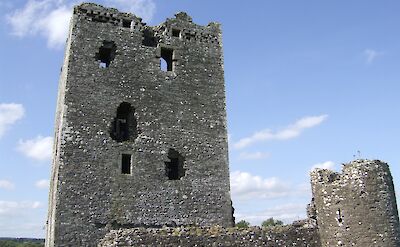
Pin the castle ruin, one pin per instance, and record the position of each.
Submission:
(141, 148)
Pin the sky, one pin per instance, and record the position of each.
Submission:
(308, 84)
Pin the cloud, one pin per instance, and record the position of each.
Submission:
(42, 184)
(39, 148)
(9, 208)
(9, 114)
(289, 132)
(330, 165)
(371, 55)
(7, 185)
(22, 218)
(252, 156)
(50, 18)
(247, 186)
(285, 212)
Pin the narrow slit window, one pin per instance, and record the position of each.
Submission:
(166, 63)
(106, 54)
(124, 126)
(126, 164)
(174, 167)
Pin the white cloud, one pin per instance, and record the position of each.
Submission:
(252, 156)
(50, 18)
(42, 184)
(39, 148)
(247, 186)
(9, 208)
(371, 55)
(289, 132)
(286, 212)
(9, 114)
(330, 165)
(141, 8)
(7, 185)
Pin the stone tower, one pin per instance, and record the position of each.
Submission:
(138, 143)
(356, 207)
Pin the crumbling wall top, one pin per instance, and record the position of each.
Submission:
(356, 169)
(183, 16)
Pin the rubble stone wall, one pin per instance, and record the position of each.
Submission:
(285, 236)
(356, 207)
(113, 58)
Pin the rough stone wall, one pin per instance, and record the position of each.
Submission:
(356, 207)
(183, 109)
(285, 236)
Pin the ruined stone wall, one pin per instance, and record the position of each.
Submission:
(182, 109)
(285, 236)
(356, 207)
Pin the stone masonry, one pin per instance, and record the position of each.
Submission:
(137, 144)
(141, 154)
(356, 207)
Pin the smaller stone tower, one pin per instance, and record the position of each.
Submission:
(356, 207)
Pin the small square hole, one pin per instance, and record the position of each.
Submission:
(126, 23)
(176, 33)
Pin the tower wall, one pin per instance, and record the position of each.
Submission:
(356, 207)
(181, 110)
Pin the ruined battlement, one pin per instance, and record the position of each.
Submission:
(179, 28)
(97, 13)
(353, 173)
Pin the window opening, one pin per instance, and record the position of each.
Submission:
(126, 23)
(126, 164)
(148, 38)
(166, 55)
(176, 32)
(174, 168)
(339, 216)
(106, 54)
(124, 125)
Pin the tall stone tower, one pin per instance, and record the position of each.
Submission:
(138, 143)
(356, 207)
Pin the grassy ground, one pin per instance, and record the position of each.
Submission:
(21, 242)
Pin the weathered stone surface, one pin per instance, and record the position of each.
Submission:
(356, 207)
(300, 236)
(182, 109)
(138, 148)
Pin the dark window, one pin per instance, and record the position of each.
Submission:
(106, 54)
(176, 32)
(124, 126)
(126, 164)
(166, 55)
(174, 168)
(148, 38)
(126, 23)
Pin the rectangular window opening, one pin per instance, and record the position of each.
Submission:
(126, 164)
(176, 32)
(126, 23)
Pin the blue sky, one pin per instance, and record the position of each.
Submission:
(309, 83)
